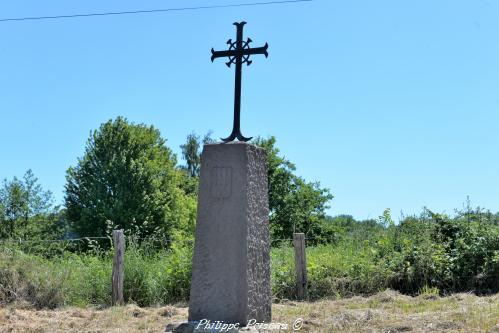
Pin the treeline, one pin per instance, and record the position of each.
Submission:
(129, 178)
(450, 253)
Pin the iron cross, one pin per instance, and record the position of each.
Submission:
(239, 53)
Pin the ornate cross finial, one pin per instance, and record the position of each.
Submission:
(239, 53)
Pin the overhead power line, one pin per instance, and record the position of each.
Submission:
(148, 11)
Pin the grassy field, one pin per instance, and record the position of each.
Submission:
(387, 311)
(55, 287)
(163, 277)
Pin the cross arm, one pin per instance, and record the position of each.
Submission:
(222, 54)
(257, 50)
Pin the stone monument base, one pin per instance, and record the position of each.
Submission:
(231, 263)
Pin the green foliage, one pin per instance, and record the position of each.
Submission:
(158, 277)
(345, 269)
(427, 255)
(295, 205)
(151, 276)
(345, 227)
(428, 292)
(434, 250)
(27, 211)
(430, 253)
(191, 153)
(127, 176)
(48, 283)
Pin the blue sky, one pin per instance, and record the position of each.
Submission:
(387, 103)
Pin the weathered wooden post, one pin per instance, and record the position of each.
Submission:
(300, 265)
(118, 266)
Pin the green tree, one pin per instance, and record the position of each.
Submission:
(13, 204)
(295, 204)
(38, 201)
(25, 208)
(191, 153)
(126, 179)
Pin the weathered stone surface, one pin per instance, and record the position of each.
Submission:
(231, 264)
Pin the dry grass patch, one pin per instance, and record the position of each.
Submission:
(387, 312)
(390, 311)
(130, 318)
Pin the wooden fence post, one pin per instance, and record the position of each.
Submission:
(300, 265)
(118, 266)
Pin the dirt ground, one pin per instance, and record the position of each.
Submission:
(386, 312)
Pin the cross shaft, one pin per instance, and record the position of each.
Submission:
(238, 53)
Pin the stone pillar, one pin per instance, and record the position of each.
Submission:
(231, 263)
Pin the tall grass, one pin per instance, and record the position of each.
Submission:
(151, 277)
(155, 277)
(447, 256)
(340, 270)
